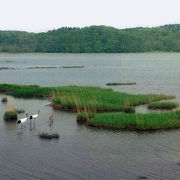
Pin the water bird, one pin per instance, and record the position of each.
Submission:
(23, 120)
(34, 116)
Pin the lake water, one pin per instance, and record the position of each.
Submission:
(84, 152)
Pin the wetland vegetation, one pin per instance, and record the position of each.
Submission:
(162, 105)
(150, 121)
(48, 136)
(10, 115)
(90, 102)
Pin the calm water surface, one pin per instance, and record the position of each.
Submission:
(85, 152)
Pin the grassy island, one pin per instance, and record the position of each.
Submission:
(10, 115)
(95, 105)
(149, 121)
(162, 105)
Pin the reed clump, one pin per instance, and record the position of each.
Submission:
(10, 115)
(19, 111)
(150, 121)
(49, 136)
(162, 105)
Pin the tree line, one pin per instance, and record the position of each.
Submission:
(93, 39)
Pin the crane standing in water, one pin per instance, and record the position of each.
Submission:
(22, 121)
(35, 116)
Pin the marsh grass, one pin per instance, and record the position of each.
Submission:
(103, 101)
(10, 115)
(49, 136)
(149, 121)
(29, 91)
(75, 98)
(162, 105)
(19, 111)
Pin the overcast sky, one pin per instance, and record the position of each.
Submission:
(42, 15)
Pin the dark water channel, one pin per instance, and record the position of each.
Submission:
(84, 152)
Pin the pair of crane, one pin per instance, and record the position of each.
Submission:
(23, 120)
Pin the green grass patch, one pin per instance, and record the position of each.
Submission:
(29, 91)
(10, 115)
(162, 105)
(103, 101)
(149, 121)
(120, 84)
(93, 99)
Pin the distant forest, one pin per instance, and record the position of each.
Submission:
(93, 39)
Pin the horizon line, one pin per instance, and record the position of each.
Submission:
(81, 27)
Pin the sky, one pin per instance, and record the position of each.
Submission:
(43, 15)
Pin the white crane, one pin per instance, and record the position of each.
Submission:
(34, 116)
(22, 121)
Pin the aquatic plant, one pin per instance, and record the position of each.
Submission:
(148, 121)
(162, 105)
(7, 68)
(19, 111)
(49, 136)
(27, 91)
(10, 115)
(102, 101)
(74, 97)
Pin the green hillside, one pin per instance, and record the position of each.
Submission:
(93, 39)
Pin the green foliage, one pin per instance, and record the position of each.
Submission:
(102, 101)
(84, 98)
(162, 105)
(148, 121)
(93, 39)
(10, 115)
(37, 91)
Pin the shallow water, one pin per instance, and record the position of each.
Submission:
(85, 152)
